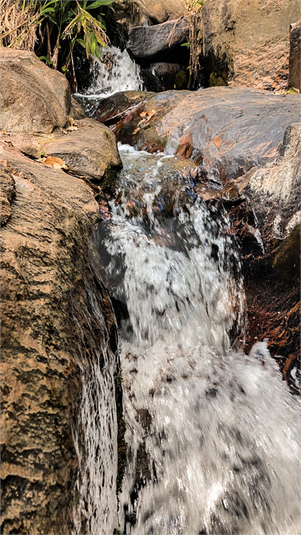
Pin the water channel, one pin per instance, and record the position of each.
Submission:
(213, 435)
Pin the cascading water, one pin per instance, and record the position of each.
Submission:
(115, 72)
(213, 435)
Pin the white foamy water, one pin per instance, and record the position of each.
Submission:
(115, 72)
(213, 435)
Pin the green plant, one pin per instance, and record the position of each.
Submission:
(193, 8)
(76, 21)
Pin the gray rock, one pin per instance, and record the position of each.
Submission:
(146, 43)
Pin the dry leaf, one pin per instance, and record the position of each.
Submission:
(71, 128)
(57, 163)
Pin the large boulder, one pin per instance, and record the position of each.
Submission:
(294, 79)
(148, 44)
(247, 42)
(56, 321)
(33, 98)
(228, 130)
(58, 327)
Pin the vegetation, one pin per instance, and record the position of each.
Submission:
(193, 8)
(44, 26)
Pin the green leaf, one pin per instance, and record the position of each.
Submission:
(81, 42)
(99, 3)
(45, 58)
(48, 10)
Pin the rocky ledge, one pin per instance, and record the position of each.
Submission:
(56, 314)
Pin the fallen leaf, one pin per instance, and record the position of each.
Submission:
(71, 128)
(57, 163)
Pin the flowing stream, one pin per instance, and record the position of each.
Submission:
(213, 435)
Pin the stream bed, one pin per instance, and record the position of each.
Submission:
(213, 435)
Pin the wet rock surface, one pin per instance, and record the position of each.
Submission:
(163, 76)
(56, 315)
(227, 130)
(264, 207)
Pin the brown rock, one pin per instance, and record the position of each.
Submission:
(151, 11)
(247, 42)
(267, 223)
(54, 307)
(230, 130)
(7, 193)
(294, 79)
(88, 149)
(33, 98)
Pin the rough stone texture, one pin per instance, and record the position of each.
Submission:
(56, 315)
(294, 79)
(228, 130)
(138, 12)
(272, 268)
(7, 193)
(247, 41)
(147, 44)
(47, 280)
(33, 98)
(88, 149)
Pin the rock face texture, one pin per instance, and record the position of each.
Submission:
(227, 130)
(57, 319)
(24, 84)
(247, 42)
(147, 44)
(294, 79)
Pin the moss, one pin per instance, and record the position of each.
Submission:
(121, 427)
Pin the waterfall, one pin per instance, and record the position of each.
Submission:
(113, 73)
(213, 435)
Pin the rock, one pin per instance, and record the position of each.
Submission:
(54, 306)
(33, 98)
(57, 318)
(148, 44)
(228, 130)
(266, 219)
(247, 42)
(7, 193)
(88, 149)
(164, 76)
(147, 12)
(294, 79)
